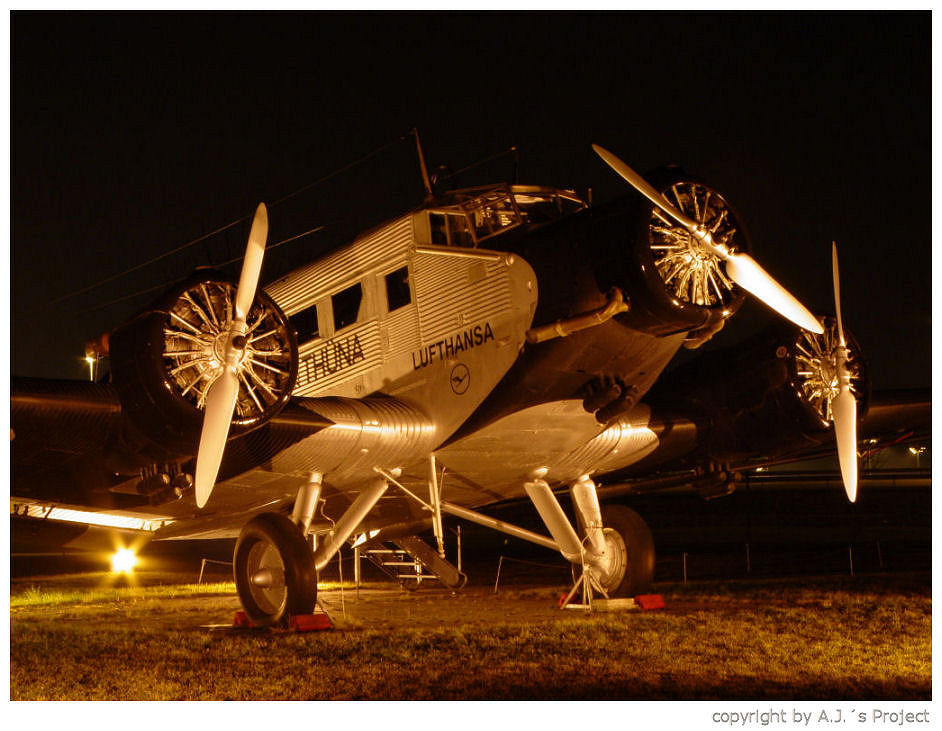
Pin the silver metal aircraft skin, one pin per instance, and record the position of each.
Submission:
(464, 353)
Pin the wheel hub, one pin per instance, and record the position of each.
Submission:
(263, 578)
(610, 568)
(267, 577)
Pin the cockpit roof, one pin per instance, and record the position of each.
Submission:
(479, 213)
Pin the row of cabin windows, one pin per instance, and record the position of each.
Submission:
(347, 304)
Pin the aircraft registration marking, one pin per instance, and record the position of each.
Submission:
(450, 346)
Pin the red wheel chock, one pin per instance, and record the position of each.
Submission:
(649, 601)
(644, 602)
(296, 622)
(309, 622)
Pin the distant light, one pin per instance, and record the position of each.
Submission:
(123, 561)
(915, 451)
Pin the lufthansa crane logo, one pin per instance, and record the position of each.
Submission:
(460, 379)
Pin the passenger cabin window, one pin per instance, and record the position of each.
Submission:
(397, 289)
(347, 306)
(305, 324)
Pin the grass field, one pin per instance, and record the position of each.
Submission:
(835, 639)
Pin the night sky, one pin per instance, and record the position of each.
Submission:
(134, 134)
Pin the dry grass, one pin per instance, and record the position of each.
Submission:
(862, 638)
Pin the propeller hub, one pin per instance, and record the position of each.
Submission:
(229, 346)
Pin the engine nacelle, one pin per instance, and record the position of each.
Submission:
(164, 361)
(675, 284)
(768, 395)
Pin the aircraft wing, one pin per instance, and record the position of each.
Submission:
(756, 404)
(76, 458)
(74, 453)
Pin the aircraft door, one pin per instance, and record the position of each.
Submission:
(400, 326)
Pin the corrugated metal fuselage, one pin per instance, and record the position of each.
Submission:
(456, 354)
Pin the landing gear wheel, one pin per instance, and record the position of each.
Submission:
(274, 570)
(630, 570)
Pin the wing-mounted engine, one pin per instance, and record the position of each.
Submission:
(676, 284)
(814, 373)
(770, 395)
(164, 361)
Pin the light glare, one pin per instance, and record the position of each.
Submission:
(123, 561)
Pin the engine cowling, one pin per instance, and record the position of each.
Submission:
(164, 360)
(675, 285)
(768, 395)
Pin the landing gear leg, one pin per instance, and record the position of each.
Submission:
(619, 556)
(305, 504)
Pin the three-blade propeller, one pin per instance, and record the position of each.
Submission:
(223, 392)
(740, 267)
(844, 405)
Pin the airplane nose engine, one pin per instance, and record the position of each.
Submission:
(676, 283)
(165, 359)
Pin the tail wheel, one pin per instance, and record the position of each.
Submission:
(274, 570)
(629, 548)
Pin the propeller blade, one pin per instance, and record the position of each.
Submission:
(220, 402)
(644, 187)
(746, 272)
(837, 292)
(741, 268)
(252, 263)
(223, 392)
(844, 413)
(844, 406)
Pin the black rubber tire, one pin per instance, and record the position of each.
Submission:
(640, 547)
(300, 576)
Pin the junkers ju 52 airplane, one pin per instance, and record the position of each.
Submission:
(494, 343)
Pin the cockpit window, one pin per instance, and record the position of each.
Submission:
(539, 206)
(470, 216)
(492, 213)
(449, 229)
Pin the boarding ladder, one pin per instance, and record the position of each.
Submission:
(411, 561)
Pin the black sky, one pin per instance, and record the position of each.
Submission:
(132, 134)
